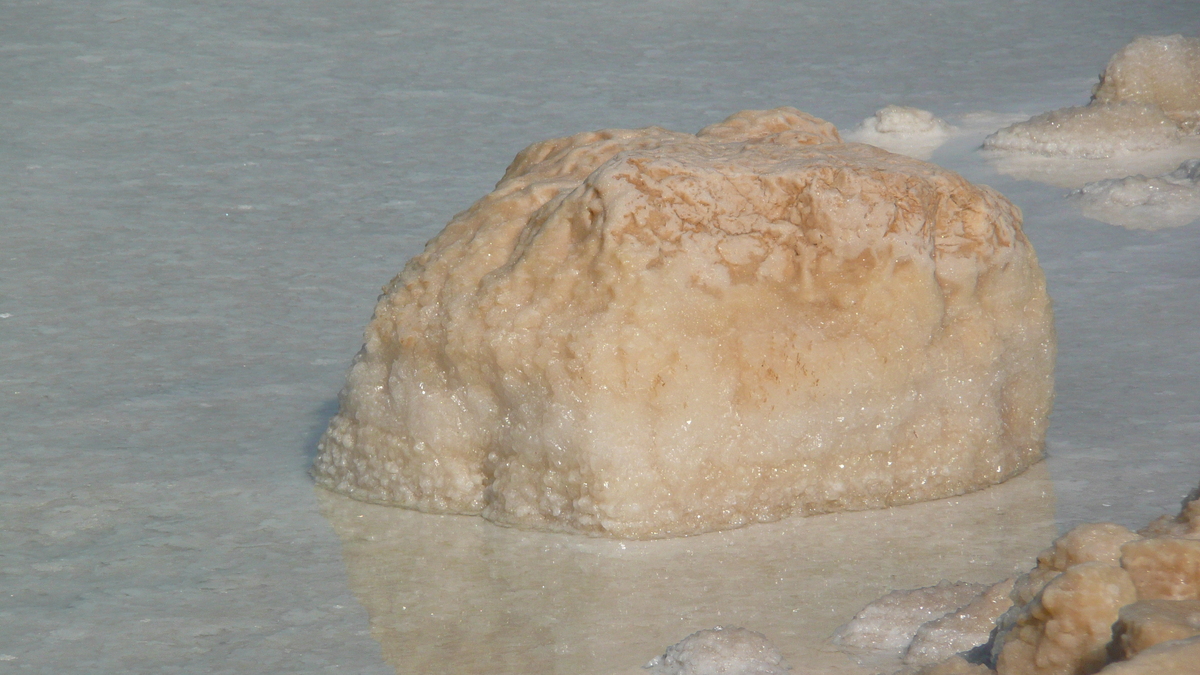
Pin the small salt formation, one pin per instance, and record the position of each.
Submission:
(1102, 599)
(1148, 99)
(924, 626)
(960, 630)
(725, 650)
(643, 333)
(889, 623)
(1138, 202)
(900, 129)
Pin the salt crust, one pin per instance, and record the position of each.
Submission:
(1101, 599)
(644, 333)
(960, 630)
(904, 130)
(1142, 203)
(724, 650)
(1095, 131)
(1147, 99)
(889, 623)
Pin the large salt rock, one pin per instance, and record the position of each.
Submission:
(647, 334)
(1162, 71)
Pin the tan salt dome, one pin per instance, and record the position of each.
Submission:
(644, 333)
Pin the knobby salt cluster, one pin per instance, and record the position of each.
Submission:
(1102, 599)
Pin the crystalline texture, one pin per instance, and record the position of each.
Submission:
(648, 333)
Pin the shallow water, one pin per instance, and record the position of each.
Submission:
(202, 200)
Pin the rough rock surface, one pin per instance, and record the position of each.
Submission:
(1164, 568)
(1090, 542)
(1067, 628)
(647, 333)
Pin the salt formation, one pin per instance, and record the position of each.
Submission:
(724, 650)
(647, 333)
(924, 626)
(1159, 71)
(1148, 99)
(1138, 202)
(889, 623)
(1095, 131)
(1102, 599)
(907, 131)
(960, 630)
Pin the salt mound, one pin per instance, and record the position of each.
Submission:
(721, 651)
(1138, 202)
(907, 131)
(1158, 71)
(1148, 99)
(648, 333)
(1094, 131)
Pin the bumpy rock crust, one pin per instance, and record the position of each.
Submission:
(647, 333)
(1067, 627)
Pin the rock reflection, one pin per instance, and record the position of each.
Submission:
(456, 593)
